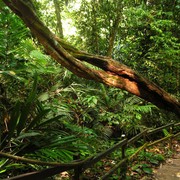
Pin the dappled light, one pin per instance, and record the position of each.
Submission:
(89, 89)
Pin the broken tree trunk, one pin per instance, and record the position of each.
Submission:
(109, 71)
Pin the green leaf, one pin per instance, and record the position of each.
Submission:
(153, 161)
(12, 74)
(3, 170)
(15, 115)
(29, 134)
(135, 167)
(44, 96)
(25, 110)
(37, 119)
(59, 141)
(145, 165)
(15, 165)
(39, 57)
(138, 170)
(50, 120)
(166, 133)
(26, 107)
(147, 170)
(32, 96)
(159, 157)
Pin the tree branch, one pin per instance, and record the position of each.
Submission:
(110, 72)
(43, 163)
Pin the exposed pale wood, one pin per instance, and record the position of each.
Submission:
(110, 72)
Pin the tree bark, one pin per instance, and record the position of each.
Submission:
(109, 71)
(94, 27)
(58, 17)
(114, 29)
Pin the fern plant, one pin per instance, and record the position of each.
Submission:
(28, 132)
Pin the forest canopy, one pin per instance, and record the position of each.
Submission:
(111, 72)
(80, 76)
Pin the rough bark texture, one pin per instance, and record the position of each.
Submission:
(114, 29)
(58, 17)
(110, 72)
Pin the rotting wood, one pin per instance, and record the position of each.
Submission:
(110, 72)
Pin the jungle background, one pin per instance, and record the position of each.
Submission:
(48, 113)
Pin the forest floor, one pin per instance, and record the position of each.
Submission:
(170, 169)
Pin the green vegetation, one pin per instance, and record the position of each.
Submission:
(47, 113)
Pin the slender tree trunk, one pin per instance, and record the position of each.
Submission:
(94, 27)
(58, 17)
(109, 71)
(177, 82)
(114, 29)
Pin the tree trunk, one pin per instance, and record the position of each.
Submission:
(109, 71)
(94, 27)
(58, 17)
(114, 29)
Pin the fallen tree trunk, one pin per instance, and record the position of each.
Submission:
(103, 69)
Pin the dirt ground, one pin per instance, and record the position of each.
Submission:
(170, 170)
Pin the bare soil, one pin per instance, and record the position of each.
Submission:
(170, 170)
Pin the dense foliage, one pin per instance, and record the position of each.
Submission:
(47, 113)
